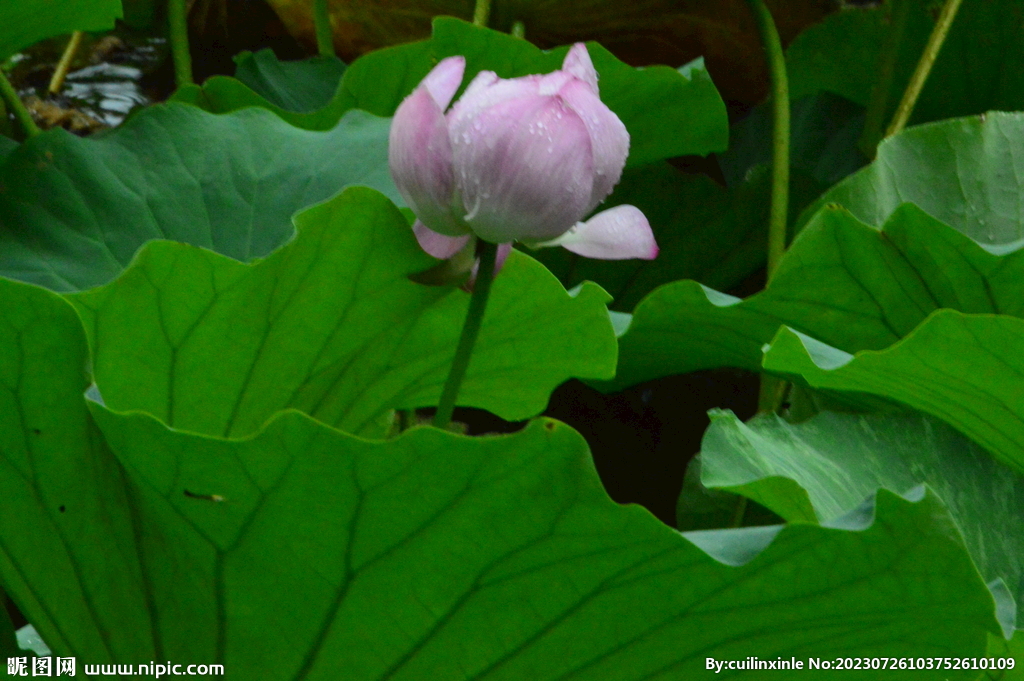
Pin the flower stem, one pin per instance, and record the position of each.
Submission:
(482, 13)
(177, 18)
(470, 331)
(64, 65)
(17, 107)
(518, 30)
(772, 388)
(924, 66)
(322, 23)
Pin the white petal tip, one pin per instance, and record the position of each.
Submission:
(620, 233)
(444, 80)
(578, 63)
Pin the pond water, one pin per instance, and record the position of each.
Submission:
(110, 76)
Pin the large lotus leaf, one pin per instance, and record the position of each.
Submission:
(842, 282)
(68, 553)
(331, 325)
(303, 86)
(74, 211)
(440, 557)
(965, 172)
(844, 54)
(644, 32)
(964, 369)
(838, 460)
(24, 22)
(8, 637)
(1013, 649)
(704, 232)
(303, 552)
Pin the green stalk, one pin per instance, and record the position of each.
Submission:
(324, 34)
(177, 18)
(878, 105)
(924, 66)
(518, 30)
(470, 331)
(17, 107)
(771, 387)
(780, 134)
(482, 13)
(64, 65)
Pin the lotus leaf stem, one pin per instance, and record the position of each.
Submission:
(17, 107)
(64, 65)
(771, 388)
(324, 34)
(482, 13)
(924, 66)
(780, 133)
(177, 18)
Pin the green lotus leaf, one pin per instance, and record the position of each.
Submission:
(301, 86)
(304, 552)
(838, 460)
(74, 211)
(963, 369)
(964, 172)
(25, 22)
(331, 324)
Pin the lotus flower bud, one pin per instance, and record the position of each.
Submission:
(521, 159)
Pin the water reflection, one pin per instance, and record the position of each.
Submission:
(117, 74)
(109, 91)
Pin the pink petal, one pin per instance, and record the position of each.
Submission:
(525, 169)
(619, 233)
(420, 158)
(578, 63)
(553, 82)
(486, 91)
(440, 246)
(444, 80)
(607, 134)
(481, 82)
